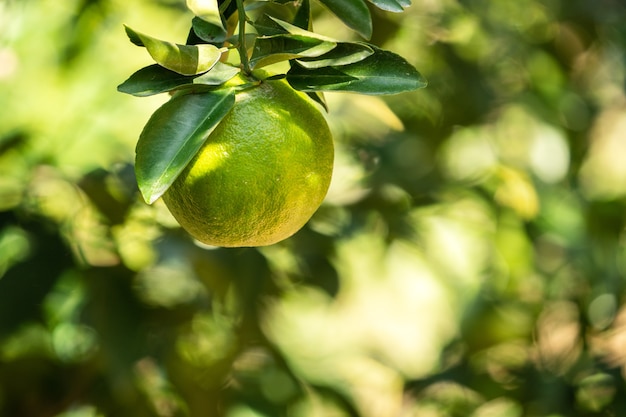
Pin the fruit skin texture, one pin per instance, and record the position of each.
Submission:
(260, 175)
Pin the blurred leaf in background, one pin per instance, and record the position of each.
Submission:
(469, 259)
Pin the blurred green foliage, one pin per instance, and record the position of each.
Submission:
(469, 259)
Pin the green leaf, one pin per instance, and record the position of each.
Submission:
(218, 75)
(266, 26)
(345, 53)
(396, 6)
(173, 136)
(302, 18)
(133, 36)
(318, 97)
(207, 10)
(319, 79)
(183, 59)
(208, 32)
(342, 54)
(151, 80)
(271, 49)
(155, 79)
(295, 30)
(354, 13)
(381, 73)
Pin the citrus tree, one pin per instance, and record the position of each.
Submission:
(468, 258)
(240, 153)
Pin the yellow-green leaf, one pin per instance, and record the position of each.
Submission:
(271, 49)
(183, 59)
(207, 10)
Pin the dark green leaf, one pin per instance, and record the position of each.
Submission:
(303, 15)
(173, 135)
(396, 6)
(227, 8)
(354, 13)
(271, 49)
(183, 59)
(208, 32)
(193, 39)
(381, 73)
(155, 79)
(320, 79)
(266, 26)
(345, 53)
(318, 97)
(151, 80)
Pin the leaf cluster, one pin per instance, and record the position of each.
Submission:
(264, 33)
(317, 63)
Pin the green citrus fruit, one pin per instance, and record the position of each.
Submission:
(261, 174)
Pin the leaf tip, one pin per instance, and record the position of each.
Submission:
(151, 194)
(133, 36)
(151, 199)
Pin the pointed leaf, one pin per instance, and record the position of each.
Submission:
(183, 59)
(133, 36)
(354, 13)
(295, 30)
(345, 53)
(318, 97)
(271, 49)
(381, 73)
(155, 79)
(173, 136)
(207, 10)
(396, 6)
(151, 80)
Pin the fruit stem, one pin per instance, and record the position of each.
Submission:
(243, 50)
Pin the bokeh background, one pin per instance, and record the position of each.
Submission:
(469, 259)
